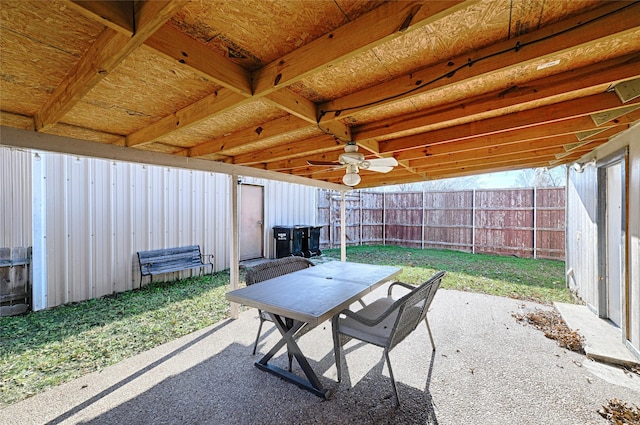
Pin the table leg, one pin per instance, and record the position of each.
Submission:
(288, 329)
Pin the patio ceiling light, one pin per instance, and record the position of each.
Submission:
(580, 167)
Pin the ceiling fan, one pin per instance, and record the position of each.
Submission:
(353, 161)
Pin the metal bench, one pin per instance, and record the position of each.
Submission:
(169, 260)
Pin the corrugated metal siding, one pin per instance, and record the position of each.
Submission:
(582, 232)
(123, 208)
(582, 235)
(15, 195)
(15, 231)
(100, 213)
(634, 240)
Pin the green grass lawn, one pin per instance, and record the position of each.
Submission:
(47, 348)
(541, 281)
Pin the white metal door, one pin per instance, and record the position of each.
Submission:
(251, 222)
(615, 243)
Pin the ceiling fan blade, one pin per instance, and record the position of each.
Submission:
(380, 168)
(324, 163)
(382, 162)
(328, 169)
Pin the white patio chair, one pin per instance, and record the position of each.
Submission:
(386, 321)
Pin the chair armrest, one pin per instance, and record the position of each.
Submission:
(370, 322)
(402, 284)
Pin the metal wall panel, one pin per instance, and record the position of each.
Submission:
(15, 198)
(15, 231)
(100, 213)
(633, 264)
(582, 235)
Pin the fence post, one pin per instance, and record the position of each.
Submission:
(535, 222)
(343, 227)
(473, 221)
(384, 218)
(424, 214)
(360, 195)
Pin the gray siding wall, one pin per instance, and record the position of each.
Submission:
(582, 234)
(15, 198)
(93, 215)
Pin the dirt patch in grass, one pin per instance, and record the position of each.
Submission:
(550, 322)
(619, 413)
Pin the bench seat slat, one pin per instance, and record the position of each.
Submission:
(169, 260)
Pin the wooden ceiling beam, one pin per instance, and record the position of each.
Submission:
(532, 119)
(612, 18)
(497, 169)
(487, 162)
(191, 53)
(316, 145)
(117, 15)
(486, 152)
(178, 46)
(261, 134)
(104, 55)
(301, 162)
(182, 48)
(218, 102)
(602, 73)
(574, 81)
(555, 129)
(525, 160)
(384, 23)
(521, 136)
(616, 69)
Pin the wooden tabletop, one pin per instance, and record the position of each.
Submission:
(315, 294)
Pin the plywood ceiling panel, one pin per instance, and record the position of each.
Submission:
(270, 84)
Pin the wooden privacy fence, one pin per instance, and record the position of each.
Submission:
(520, 222)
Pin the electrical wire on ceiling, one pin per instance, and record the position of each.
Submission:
(470, 62)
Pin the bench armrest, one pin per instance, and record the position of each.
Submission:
(145, 266)
(203, 257)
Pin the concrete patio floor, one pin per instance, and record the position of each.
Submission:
(487, 369)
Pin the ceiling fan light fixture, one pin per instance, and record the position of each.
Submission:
(351, 179)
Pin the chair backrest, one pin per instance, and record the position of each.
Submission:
(276, 268)
(413, 308)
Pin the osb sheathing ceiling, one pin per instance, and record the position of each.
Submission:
(448, 88)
